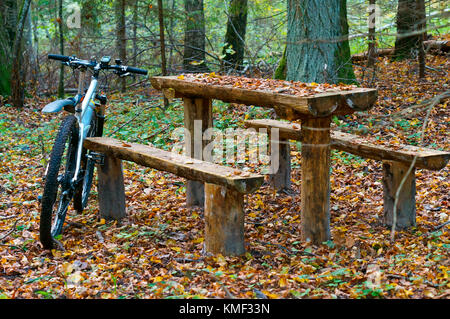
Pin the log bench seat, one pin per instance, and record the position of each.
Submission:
(224, 188)
(396, 162)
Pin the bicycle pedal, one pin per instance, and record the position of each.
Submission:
(97, 158)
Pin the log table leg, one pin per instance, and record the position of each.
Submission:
(224, 221)
(197, 119)
(281, 179)
(315, 188)
(111, 190)
(393, 173)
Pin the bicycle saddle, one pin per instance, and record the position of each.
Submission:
(56, 106)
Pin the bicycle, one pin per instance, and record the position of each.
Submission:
(70, 170)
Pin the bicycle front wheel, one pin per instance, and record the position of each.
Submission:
(59, 189)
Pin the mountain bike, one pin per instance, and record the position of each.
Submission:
(70, 170)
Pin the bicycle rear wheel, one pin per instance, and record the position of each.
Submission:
(58, 189)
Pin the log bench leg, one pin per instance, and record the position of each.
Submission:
(281, 179)
(393, 173)
(197, 119)
(111, 190)
(224, 221)
(315, 187)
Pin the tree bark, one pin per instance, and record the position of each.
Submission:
(371, 51)
(135, 23)
(31, 52)
(235, 35)
(61, 49)
(194, 37)
(121, 41)
(317, 42)
(89, 25)
(421, 27)
(162, 45)
(280, 72)
(170, 38)
(8, 24)
(406, 40)
(17, 81)
(8, 16)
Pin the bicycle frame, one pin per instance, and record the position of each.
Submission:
(84, 113)
(74, 183)
(84, 117)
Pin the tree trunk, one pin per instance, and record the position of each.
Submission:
(170, 38)
(17, 81)
(9, 19)
(406, 41)
(194, 37)
(371, 51)
(317, 42)
(8, 23)
(90, 25)
(235, 36)
(162, 45)
(421, 27)
(121, 41)
(135, 18)
(31, 53)
(61, 49)
(280, 72)
(35, 37)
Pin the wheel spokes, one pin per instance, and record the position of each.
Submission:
(63, 205)
(60, 179)
(65, 193)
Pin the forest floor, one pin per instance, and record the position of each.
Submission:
(156, 251)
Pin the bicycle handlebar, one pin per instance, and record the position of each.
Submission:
(132, 69)
(74, 61)
(59, 57)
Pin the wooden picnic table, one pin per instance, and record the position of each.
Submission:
(314, 111)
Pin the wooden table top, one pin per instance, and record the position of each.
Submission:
(290, 107)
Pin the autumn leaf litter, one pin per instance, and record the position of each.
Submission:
(157, 251)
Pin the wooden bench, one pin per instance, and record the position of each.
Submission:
(396, 163)
(224, 188)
